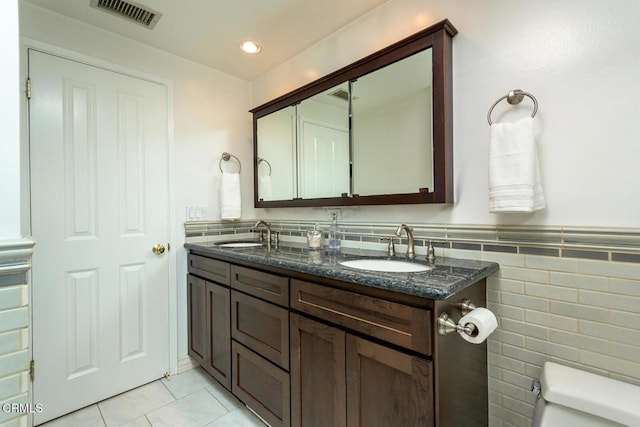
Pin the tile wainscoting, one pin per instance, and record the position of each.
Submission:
(566, 294)
(15, 263)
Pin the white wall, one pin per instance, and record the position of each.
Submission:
(9, 122)
(210, 111)
(580, 58)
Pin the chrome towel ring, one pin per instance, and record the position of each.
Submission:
(260, 160)
(514, 97)
(226, 156)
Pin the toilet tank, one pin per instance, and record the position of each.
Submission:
(574, 397)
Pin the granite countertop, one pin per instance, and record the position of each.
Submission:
(448, 276)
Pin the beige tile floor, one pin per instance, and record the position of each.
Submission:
(189, 399)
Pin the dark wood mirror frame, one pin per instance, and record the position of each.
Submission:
(438, 37)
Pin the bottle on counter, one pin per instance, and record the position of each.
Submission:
(334, 233)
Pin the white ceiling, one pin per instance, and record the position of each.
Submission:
(210, 31)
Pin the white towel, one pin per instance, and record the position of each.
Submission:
(514, 175)
(264, 188)
(230, 196)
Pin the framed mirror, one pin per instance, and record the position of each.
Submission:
(376, 132)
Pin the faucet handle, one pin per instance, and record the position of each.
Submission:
(431, 253)
(391, 247)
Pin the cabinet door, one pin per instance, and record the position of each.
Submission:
(218, 325)
(197, 327)
(318, 386)
(261, 385)
(386, 387)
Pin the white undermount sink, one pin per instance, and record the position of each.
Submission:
(240, 245)
(387, 265)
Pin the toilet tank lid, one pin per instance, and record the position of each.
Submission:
(594, 394)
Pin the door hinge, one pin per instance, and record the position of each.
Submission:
(166, 375)
(32, 370)
(28, 88)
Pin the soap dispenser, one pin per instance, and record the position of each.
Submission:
(334, 233)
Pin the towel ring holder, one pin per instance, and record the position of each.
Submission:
(226, 157)
(260, 160)
(514, 97)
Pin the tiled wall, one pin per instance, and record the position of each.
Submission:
(14, 333)
(570, 295)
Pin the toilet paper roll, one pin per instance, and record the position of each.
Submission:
(485, 323)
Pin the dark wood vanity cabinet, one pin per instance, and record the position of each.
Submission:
(307, 354)
(340, 378)
(209, 318)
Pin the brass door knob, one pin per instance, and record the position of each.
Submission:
(158, 249)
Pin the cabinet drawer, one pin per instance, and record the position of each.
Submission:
(262, 386)
(399, 324)
(216, 271)
(268, 287)
(261, 326)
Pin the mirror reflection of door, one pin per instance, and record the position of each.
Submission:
(323, 143)
(324, 160)
(277, 148)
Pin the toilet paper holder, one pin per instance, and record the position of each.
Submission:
(446, 325)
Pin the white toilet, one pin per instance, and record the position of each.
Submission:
(571, 397)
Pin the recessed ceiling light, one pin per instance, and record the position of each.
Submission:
(250, 47)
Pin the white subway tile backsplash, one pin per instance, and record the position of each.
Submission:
(505, 312)
(525, 355)
(579, 311)
(14, 319)
(13, 363)
(612, 364)
(555, 350)
(504, 259)
(625, 287)
(622, 318)
(621, 270)
(565, 265)
(609, 332)
(11, 297)
(609, 300)
(551, 292)
(517, 405)
(526, 329)
(578, 341)
(523, 301)
(578, 281)
(11, 341)
(505, 285)
(564, 323)
(625, 351)
(14, 331)
(524, 274)
(556, 296)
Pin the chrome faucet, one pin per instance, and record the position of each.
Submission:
(410, 252)
(268, 227)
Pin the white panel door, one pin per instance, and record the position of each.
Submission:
(99, 194)
(324, 159)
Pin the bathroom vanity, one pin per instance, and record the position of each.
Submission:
(305, 341)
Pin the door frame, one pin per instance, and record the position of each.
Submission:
(29, 44)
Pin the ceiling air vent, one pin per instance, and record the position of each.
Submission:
(129, 10)
(340, 93)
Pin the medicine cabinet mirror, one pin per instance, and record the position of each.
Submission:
(376, 132)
